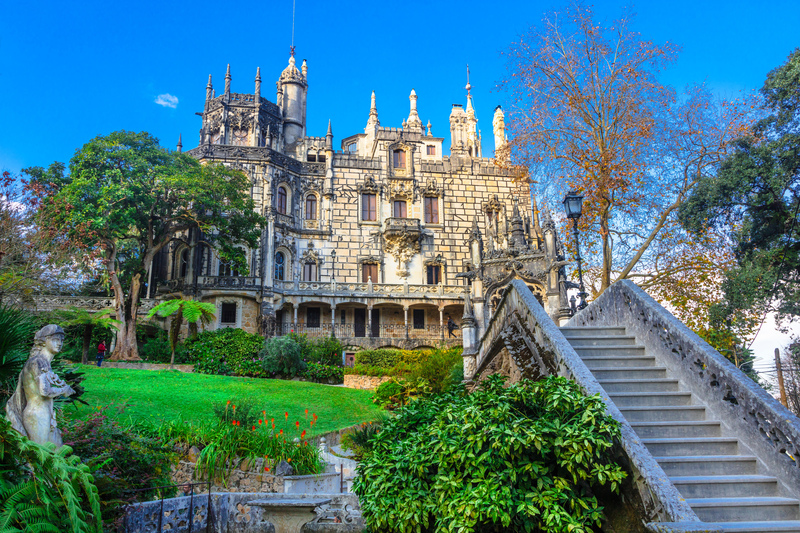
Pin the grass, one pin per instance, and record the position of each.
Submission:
(170, 395)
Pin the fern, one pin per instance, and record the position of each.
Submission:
(44, 490)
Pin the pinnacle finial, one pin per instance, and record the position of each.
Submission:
(330, 131)
(429, 128)
(209, 82)
(372, 103)
(180, 143)
(258, 73)
(228, 80)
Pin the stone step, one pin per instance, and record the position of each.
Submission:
(612, 361)
(620, 351)
(602, 340)
(677, 430)
(692, 446)
(632, 372)
(783, 526)
(664, 413)
(745, 509)
(651, 399)
(639, 385)
(708, 465)
(725, 486)
(586, 331)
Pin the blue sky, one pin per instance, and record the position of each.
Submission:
(71, 71)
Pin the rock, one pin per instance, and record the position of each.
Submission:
(192, 455)
(284, 469)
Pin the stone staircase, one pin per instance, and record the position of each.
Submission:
(720, 478)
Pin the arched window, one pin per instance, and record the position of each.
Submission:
(311, 207)
(280, 266)
(226, 270)
(240, 137)
(282, 200)
(184, 263)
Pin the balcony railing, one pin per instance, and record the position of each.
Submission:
(319, 287)
(228, 282)
(384, 331)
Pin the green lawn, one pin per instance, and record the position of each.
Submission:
(169, 394)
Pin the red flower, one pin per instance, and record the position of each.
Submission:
(266, 469)
(260, 422)
(297, 424)
(281, 433)
(303, 434)
(254, 428)
(286, 415)
(306, 412)
(229, 402)
(288, 459)
(233, 423)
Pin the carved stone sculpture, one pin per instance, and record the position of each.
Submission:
(30, 408)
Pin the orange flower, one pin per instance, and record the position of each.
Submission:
(264, 413)
(306, 412)
(281, 433)
(303, 434)
(297, 424)
(289, 460)
(229, 402)
(266, 469)
(233, 423)
(272, 420)
(273, 425)
(286, 415)
(260, 422)
(254, 428)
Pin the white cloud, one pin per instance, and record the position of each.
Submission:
(167, 100)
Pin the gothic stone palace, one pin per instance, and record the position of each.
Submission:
(378, 242)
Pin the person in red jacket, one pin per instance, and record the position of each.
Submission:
(101, 353)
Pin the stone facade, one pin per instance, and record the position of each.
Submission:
(380, 239)
(352, 381)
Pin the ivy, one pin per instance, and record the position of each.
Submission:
(524, 458)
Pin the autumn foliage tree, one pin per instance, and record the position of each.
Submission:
(125, 198)
(590, 114)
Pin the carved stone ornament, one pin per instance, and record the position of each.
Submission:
(435, 261)
(310, 255)
(369, 185)
(369, 259)
(402, 245)
(431, 189)
(30, 408)
(402, 190)
(240, 118)
(493, 205)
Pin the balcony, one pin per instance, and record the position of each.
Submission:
(429, 332)
(229, 282)
(401, 227)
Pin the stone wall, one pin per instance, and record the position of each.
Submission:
(251, 478)
(353, 381)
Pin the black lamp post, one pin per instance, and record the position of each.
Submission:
(333, 280)
(573, 203)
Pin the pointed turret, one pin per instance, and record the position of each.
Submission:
(292, 90)
(372, 122)
(517, 237)
(209, 89)
(499, 127)
(414, 123)
(258, 85)
(228, 81)
(329, 138)
(180, 143)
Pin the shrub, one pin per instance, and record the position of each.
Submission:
(125, 460)
(18, 327)
(324, 373)
(357, 439)
(437, 367)
(157, 350)
(228, 351)
(282, 356)
(245, 411)
(523, 458)
(326, 351)
(398, 391)
(385, 357)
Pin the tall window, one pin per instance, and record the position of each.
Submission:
(216, 137)
(310, 271)
(369, 208)
(400, 209)
(312, 317)
(399, 159)
(431, 149)
(311, 207)
(369, 271)
(184, 263)
(419, 319)
(240, 137)
(228, 314)
(282, 200)
(431, 210)
(280, 266)
(434, 274)
(226, 270)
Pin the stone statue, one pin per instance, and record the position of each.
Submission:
(30, 408)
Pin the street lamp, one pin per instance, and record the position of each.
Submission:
(333, 282)
(573, 203)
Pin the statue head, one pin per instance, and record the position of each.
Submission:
(49, 339)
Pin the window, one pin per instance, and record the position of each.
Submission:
(321, 158)
(216, 137)
(312, 317)
(431, 210)
(280, 266)
(240, 137)
(352, 148)
(431, 149)
(312, 157)
(226, 270)
(434, 274)
(369, 209)
(184, 263)
(309, 272)
(369, 271)
(227, 313)
(311, 207)
(282, 196)
(400, 209)
(419, 319)
(399, 159)
(343, 315)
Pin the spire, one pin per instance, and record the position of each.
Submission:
(414, 123)
(258, 85)
(329, 137)
(537, 229)
(209, 89)
(470, 109)
(228, 80)
(180, 144)
(304, 68)
(373, 121)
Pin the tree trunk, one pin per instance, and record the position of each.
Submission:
(605, 274)
(127, 308)
(87, 339)
(174, 333)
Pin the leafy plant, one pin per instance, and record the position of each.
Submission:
(398, 391)
(383, 357)
(324, 373)
(18, 328)
(75, 316)
(282, 356)
(326, 351)
(183, 309)
(42, 490)
(524, 458)
(436, 367)
(357, 439)
(226, 351)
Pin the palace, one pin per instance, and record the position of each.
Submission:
(378, 242)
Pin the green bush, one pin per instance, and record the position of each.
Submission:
(383, 357)
(281, 356)
(326, 351)
(18, 328)
(227, 351)
(245, 411)
(398, 392)
(437, 367)
(524, 458)
(157, 350)
(324, 373)
(124, 461)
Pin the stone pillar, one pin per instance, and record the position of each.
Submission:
(369, 320)
(441, 321)
(333, 319)
(469, 332)
(295, 305)
(405, 319)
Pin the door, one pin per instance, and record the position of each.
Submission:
(376, 323)
(360, 322)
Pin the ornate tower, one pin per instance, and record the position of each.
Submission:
(292, 92)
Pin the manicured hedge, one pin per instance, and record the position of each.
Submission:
(227, 352)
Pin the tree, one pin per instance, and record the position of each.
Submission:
(184, 310)
(76, 316)
(590, 114)
(125, 198)
(754, 198)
